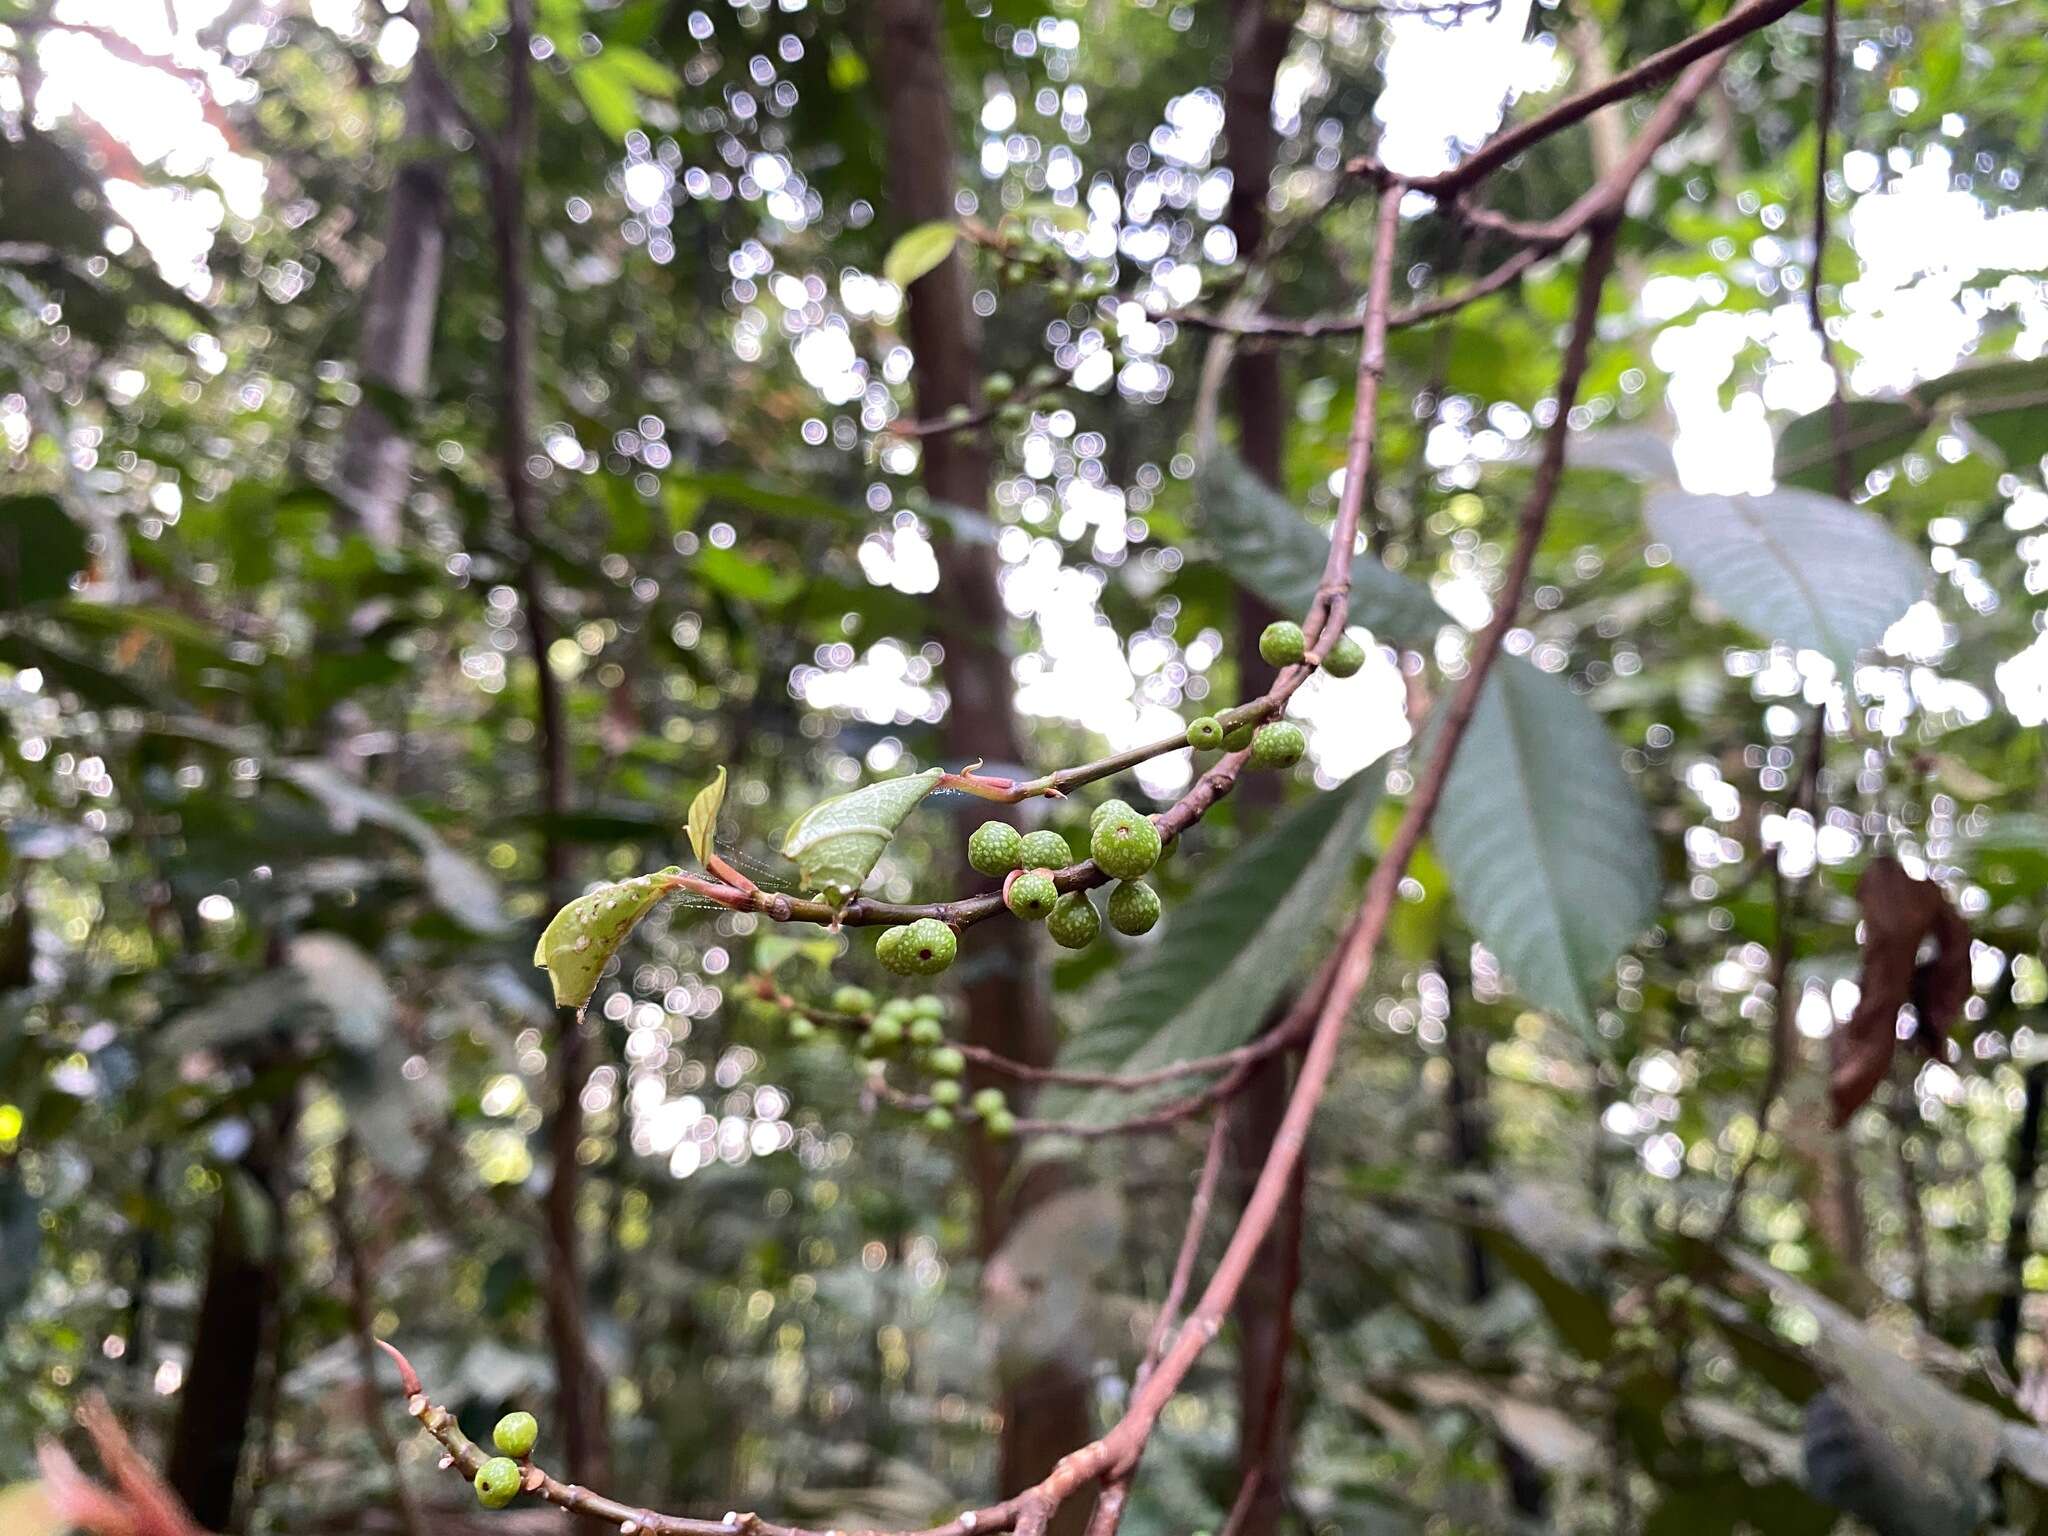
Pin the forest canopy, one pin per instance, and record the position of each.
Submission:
(944, 766)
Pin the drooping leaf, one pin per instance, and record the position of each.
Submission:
(836, 842)
(1936, 1448)
(1269, 547)
(1637, 452)
(458, 884)
(703, 823)
(1900, 914)
(582, 938)
(918, 250)
(1794, 566)
(41, 549)
(1224, 955)
(1546, 841)
(345, 982)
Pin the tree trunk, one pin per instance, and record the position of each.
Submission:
(579, 1391)
(397, 340)
(237, 1314)
(1260, 34)
(1047, 1413)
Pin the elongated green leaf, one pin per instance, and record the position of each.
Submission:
(1794, 566)
(2005, 403)
(836, 842)
(703, 823)
(1269, 547)
(580, 942)
(1546, 842)
(918, 250)
(1224, 955)
(1874, 431)
(607, 92)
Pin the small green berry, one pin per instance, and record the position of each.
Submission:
(885, 1033)
(1073, 923)
(989, 1101)
(1106, 810)
(1345, 657)
(1238, 737)
(999, 386)
(516, 1433)
(851, 999)
(875, 1066)
(927, 1032)
(497, 1482)
(946, 1061)
(889, 950)
(938, 1119)
(928, 1005)
(1031, 896)
(1002, 1124)
(947, 1091)
(1125, 849)
(1044, 849)
(1282, 643)
(929, 946)
(993, 848)
(1205, 733)
(801, 1028)
(1278, 745)
(897, 1008)
(1133, 907)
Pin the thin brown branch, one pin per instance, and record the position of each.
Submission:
(1540, 238)
(1823, 115)
(1785, 894)
(362, 1312)
(1655, 70)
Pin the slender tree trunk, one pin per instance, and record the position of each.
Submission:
(1047, 1412)
(237, 1315)
(580, 1396)
(1260, 34)
(397, 341)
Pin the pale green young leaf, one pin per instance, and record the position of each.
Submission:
(917, 251)
(836, 842)
(585, 934)
(703, 823)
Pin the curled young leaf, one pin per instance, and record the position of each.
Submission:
(836, 842)
(585, 934)
(704, 810)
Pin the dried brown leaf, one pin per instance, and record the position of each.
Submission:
(1900, 914)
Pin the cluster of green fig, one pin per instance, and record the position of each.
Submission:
(1123, 844)
(500, 1478)
(1277, 743)
(912, 1029)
